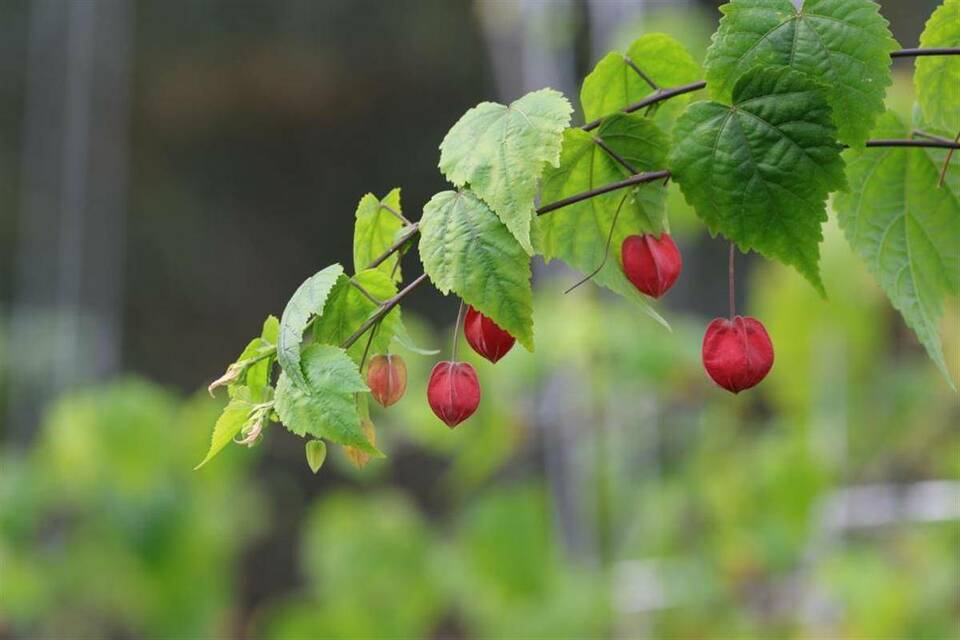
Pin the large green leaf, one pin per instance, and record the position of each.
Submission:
(614, 83)
(843, 44)
(759, 172)
(374, 232)
(327, 407)
(577, 234)
(347, 308)
(466, 249)
(938, 77)
(307, 301)
(906, 229)
(500, 152)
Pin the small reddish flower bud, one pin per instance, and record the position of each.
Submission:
(486, 338)
(737, 353)
(359, 458)
(651, 264)
(387, 379)
(453, 391)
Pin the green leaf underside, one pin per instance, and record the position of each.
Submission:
(307, 301)
(375, 230)
(759, 172)
(327, 407)
(577, 234)
(938, 77)
(613, 84)
(843, 44)
(466, 249)
(500, 152)
(906, 229)
(230, 422)
(347, 308)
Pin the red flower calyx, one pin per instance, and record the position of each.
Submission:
(737, 354)
(652, 264)
(453, 392)
(486, 337)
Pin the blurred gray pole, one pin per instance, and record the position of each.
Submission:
(65, 327)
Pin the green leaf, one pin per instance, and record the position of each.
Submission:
(271, 330)
(231, 421)
(316, 452)
(844, 45)
(404, 340)
(938, 77)
(257, 375)
(307, 301)
(759, 172)
(347, 308)
(614, 83)
(466, 249)
(906, 229)
(500, 152)
(327, 407)
(577, 233)
(375, 230)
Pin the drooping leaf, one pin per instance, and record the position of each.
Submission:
(347, 308)
(374, 232)
(577, 233)
(232, 420)
(500, 152)
(906, 229)
(466, 249)
(307, 301)
(614, 83)
(938, 77)
(759, 172)
(844, 45)
(327, 407)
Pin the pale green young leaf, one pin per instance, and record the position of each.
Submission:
(938, 77)
(374, 232)
(906, 229)
(759, 172)
(614, 83)
(347, 308)
(404, 340)
(307, 301)
(466, 249)
(500, 152)
(232, 420)
(271, 330)
(577, 234)
(844, 45)
(327, 406)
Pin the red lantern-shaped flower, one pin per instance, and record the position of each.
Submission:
(737, 353)
(486, 338)
(387, 378)
(453, 391)
(652, 264)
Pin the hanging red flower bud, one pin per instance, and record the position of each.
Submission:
(387, 378)
(651, 264)
(737, 353)
(486, 338)
(453, 391)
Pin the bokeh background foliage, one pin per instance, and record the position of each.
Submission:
(604, 489)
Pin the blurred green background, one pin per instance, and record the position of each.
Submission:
(170, 172)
